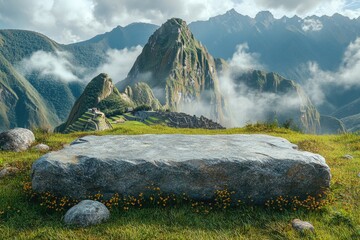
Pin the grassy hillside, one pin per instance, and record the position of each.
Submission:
(31, 99)
(340, 219)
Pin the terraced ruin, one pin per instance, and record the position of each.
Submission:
(92, 120)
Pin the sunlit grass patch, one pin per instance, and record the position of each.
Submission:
(144, 218)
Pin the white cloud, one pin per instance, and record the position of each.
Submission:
(346, 77)
(54, 65)
(249, 105)
(312, 25)
(67, 20)
(243, 60)
(119, 62)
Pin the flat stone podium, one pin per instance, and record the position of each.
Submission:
(257, 167)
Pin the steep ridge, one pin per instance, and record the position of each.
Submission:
(102, 99)
(286, 45)
(307, 39)
(41, 96)
(121, 37)
(141, 94)
(100, 92)
(20, 104)
(349, 109)
(179, 70)
(352, 123)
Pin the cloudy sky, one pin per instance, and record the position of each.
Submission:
(73, 20)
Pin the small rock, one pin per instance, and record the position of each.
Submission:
(42, 147)
(17, 140)
(348, 157)
(300, 226)
(358, 174)
(87, 213)
(8, 171)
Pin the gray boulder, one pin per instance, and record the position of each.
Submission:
(42, 147)
(301, 226)
(17, 140)
(87, 213)
(8, 171)
(257, 166)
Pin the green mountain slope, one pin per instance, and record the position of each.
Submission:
(101, 94)
(21, 105)
(141, 94)
(47, 101)
(179, 70)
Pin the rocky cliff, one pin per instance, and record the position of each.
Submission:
(179, 70)
(102, 95)
(99, 93)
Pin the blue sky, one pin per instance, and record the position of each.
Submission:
(72, 20)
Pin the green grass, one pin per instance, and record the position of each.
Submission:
(21, 219)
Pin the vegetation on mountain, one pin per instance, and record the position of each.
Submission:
(99, 93)
(141, 94)
(20, 103)
(45, 101)
(179, 69)
(92, 120)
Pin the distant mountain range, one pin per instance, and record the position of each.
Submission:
(35, 98)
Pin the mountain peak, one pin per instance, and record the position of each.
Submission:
(172, 31)
(180, 69)
(98, 89)
(232, 12)
(264, 16)
(173, 22)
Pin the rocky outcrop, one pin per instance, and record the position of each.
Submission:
(8, 171)
(301, 226)
(99, 93)
(177, 119)
(87, 213)
(17, 140)
(42, 147)
(141, 94)
(179, 70)
(256, 167)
